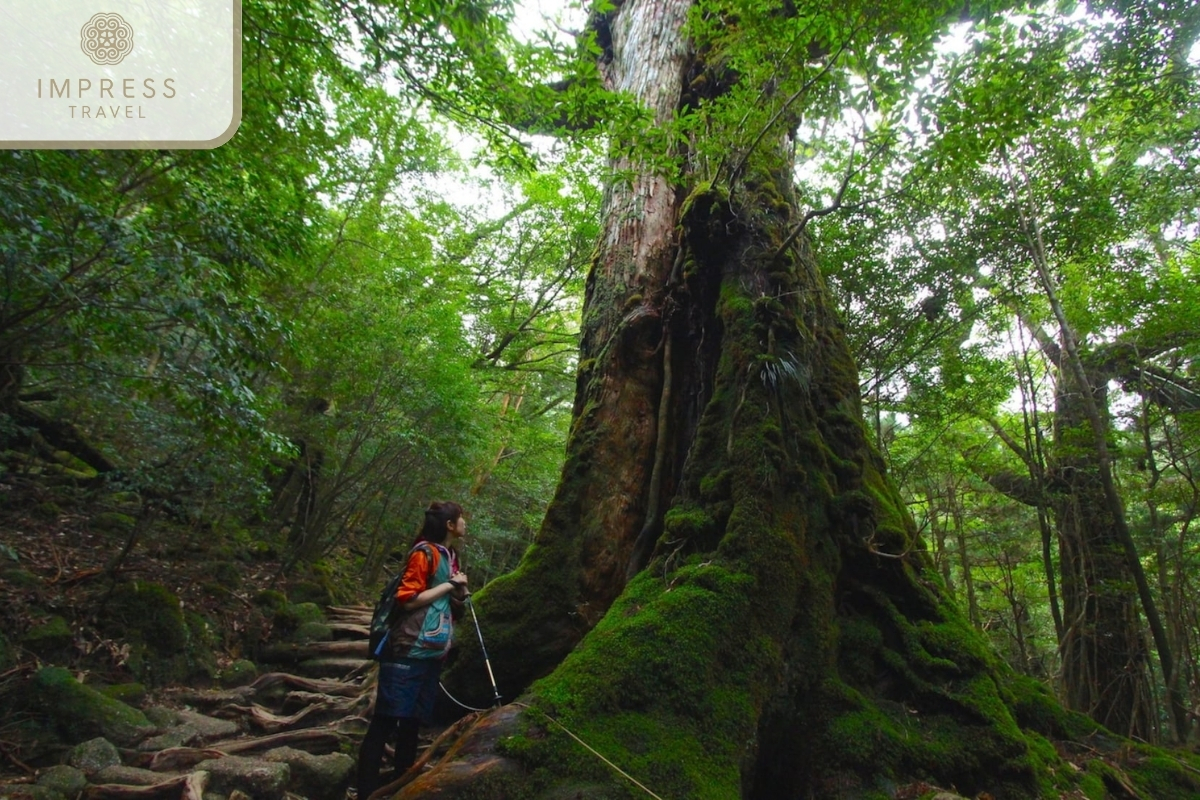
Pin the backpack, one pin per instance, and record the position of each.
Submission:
(381, 619)
(385, 610)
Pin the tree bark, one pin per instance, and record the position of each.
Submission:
(789, 637)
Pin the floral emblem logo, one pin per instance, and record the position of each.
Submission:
(106, 38)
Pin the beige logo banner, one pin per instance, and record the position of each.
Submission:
(119, 73)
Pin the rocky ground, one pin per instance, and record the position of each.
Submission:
(143, 658)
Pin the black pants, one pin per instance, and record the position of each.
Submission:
(370, 756)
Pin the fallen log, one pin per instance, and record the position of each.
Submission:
(192, 786)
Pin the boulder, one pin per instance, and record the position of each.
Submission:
(80, 711)
(129, 776)
(162, 716)
(239, 673)
(67, 781)
(315, 777)
(49, 640)
(208, 728)
(312, 632)
(129, 693)
(113, 521)
(180, 736)
(262, 780)
(94, 755)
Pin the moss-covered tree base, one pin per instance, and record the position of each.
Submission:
(790, 636)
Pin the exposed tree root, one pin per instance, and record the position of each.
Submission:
(192, 786)
(450, 735)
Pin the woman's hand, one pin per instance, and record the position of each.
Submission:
(459, 582)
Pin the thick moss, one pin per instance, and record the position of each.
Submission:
(166, 645)
(51, 640)
(148, 613)
(790, 636)
(128, 693)
(81, 712)
(1037, 710)
(1166, 776)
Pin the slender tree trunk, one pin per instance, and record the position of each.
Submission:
(964, 557)
(1037, 474)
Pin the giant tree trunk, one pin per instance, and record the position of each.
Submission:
(1105, 660)
(788, 636)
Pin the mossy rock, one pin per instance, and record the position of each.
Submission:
(94, 755)
(129, 501)
(79, 711)
(31, 791)
(312, 632)
(130, 693)
(293, 615)
(67, 781)
(203, 631)
(270, 598)
(113, 522)
(225, 573)
(262, 551)
(148, 613)
(311, 592)
(166, 645)
(47, 510)
(49, 640)
(20, 578)
(216, 590)
(240, 673)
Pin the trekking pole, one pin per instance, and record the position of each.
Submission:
(483, 650)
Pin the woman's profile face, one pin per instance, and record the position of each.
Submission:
(457, 529)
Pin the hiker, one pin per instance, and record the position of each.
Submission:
(417, 642)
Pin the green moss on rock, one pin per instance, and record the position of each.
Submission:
(129, 693)
(289, 618)
(80, 712)
(239, 673)
(312, 632)
(50, 640)
(113, 522)
(47, 510)
(148, 613)
(270, 598)
(20, 578)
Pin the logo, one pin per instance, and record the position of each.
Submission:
(106, 38)
(139, 74)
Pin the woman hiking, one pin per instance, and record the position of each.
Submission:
(418, 640)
